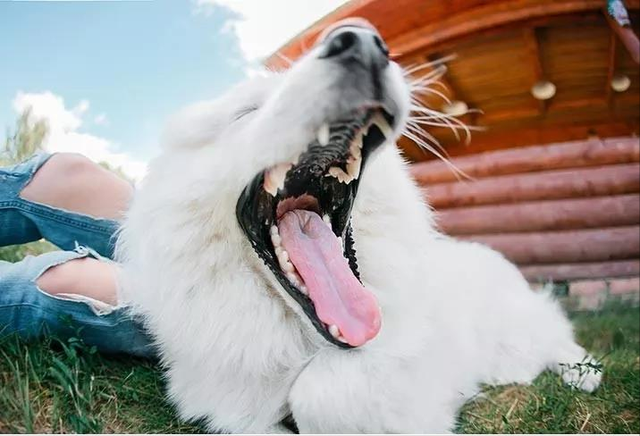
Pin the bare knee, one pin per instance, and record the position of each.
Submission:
(73, 182)
(87, 277)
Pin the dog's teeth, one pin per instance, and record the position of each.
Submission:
(341, 241)
(339, 174)
(279, 251)
(276, 240)
(274, 178)
(293, 278)
(274, 230)
(327, 219)
(383, 125)
(342, 339)
(353, 167)
(323, 134)
(284, 256)
(287, 266)
(303, 289)
(334, 330)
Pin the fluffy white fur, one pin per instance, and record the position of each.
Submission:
(237, 351)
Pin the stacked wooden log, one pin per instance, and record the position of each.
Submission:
(560, 211)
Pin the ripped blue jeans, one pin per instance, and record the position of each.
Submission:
(28, 311)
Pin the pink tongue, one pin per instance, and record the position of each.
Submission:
(337, 295)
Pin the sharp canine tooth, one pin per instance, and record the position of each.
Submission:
(342, 339)
(274, 178)
(270, 188)
(303, 289)
(334, 330)
(327, 220)
(384, 126)
(323, 134)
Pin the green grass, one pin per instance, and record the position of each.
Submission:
(67, 387)
(548, 406)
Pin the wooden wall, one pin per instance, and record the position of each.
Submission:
(560, 211)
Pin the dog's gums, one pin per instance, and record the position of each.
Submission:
(296, 216)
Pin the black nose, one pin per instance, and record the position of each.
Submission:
(356, 44)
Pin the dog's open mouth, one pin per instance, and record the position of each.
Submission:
(297, 218)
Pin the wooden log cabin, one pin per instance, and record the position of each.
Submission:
(553, 173)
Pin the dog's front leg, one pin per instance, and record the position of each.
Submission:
(366, 391)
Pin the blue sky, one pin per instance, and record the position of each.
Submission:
(134, 62)
(121, 67)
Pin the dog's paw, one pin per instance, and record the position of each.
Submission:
(585, 376)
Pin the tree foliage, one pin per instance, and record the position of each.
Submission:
(26, 139)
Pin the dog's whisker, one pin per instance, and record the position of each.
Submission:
(430, 64)
(434, 92)
(450, 121)
(425, 86)
(433, 114)
(426, 122)
(419, 132)
(459, 174)
(428, 147)
(436, 72)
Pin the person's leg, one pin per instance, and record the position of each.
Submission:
(74, 183)
(65, 293)
(71, 202)
(84, 276)
(64, 198)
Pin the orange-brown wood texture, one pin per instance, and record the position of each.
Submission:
(544, 185)
(586, 270)
(583, 213)
(586, 245)
(588, 153)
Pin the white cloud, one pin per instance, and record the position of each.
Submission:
(101, 120)
(263, 26)
(81, 108)
(64, 135)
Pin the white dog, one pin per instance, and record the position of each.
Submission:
(286, 264)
